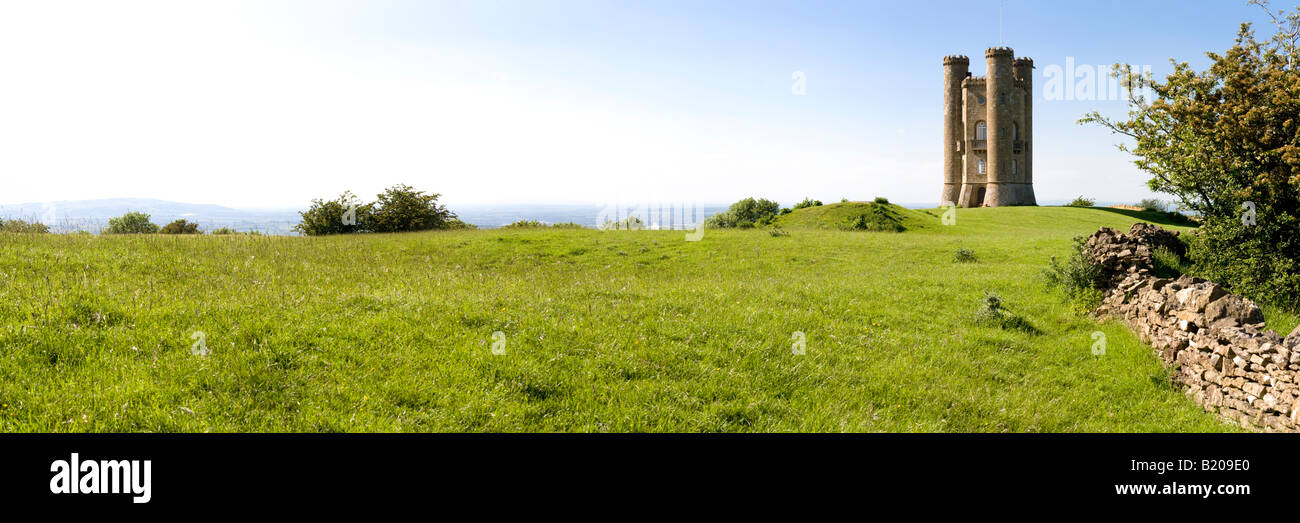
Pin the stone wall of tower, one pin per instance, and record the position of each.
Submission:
(955, 69)
(973, 180)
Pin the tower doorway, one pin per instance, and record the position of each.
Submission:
(979, 198)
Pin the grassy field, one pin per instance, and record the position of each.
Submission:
(603, 331)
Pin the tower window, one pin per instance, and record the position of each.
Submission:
(981, 99)
(981, 131)
(1002, 97)
(979, 166)
(1015, 131)
(1013, 167)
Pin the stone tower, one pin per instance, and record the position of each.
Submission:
(988, 131)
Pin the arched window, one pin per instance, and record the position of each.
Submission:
(1015, 131)
(981, 131)
(979, 166)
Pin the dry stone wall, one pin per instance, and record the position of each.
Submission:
(1217, 341)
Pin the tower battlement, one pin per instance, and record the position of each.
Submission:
(988, 131)
(999, 52)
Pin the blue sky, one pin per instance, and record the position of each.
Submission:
(274, 103)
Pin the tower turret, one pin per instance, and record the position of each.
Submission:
(1024, 71)
(998, 89)
(955, 69)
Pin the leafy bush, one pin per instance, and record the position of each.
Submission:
(878, 218)
(806, 203)
(223, 230)
(745, 214)
(534, 224)
(777, 231)
(881, 200)
(131, 223)
(1081, 202)
(1224, 141)
(401, 208)
(23, 227)
(1080, 278)
(333, 216)
(1153, 204)
(630, 223)
(964, 256)
(180, 227)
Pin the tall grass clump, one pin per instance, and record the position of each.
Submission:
(1080, 278)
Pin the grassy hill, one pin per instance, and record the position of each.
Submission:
(836, 216)
(604, 331)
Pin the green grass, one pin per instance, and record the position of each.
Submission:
(605, 331)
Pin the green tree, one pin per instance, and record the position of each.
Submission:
(402, 208)
(24, 227)
(131, 223)
(745, 213)
(1226, 143)
(180, 227)
(346, 214)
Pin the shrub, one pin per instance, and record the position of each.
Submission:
(992, 313)
(1152, 204)
(631, 223)
(333, 216)
(131, 223)
(534, 224)
(401, 208)
(745, 214)
(881, 200)
(223, 230)
(23, 227)
(965, 256)
(807, 202)
(1081, 202)
(180, 227)
(1080, 277)
(877, 218)
(777, 231)
(1167, 263)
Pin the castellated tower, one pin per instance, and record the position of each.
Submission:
(988, 131)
